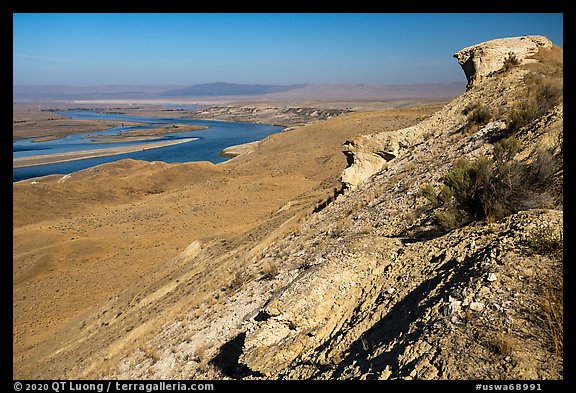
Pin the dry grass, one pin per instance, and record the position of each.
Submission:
(241, 277)
(269, 270)
(238, 200)
(202, 356)
(553, 310)
(149, 350)
(501, 344)
(550, 62)
(544, 89)
(548, 314)
(543, 94)
(365, 229)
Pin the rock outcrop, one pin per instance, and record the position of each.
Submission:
(389, 295)
(282, 115)
(451, 307)
(371, 286)
(481, 60)
(369, 154)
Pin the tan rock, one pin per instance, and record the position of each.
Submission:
(481, 60)
(370, 154)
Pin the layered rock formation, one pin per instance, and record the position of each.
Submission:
(370, 285)
(281, 115)
(369, 154)
(481, 60)
(385, 293)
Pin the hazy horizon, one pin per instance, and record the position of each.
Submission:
(163, 85)
(278, 49)
(29, 93)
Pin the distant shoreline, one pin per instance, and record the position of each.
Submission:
(45, 159)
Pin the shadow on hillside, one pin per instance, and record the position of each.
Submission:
(227, 359)
(421, 233)
(395, 326)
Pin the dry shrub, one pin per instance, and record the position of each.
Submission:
(340, 228)
(510, 61)
(493, 188)
(501, 344)
(202, 355)
(150, 352)
(542, 95)
(365, 229)
(240, 278)
(546, 241)
(478, 115)
(269, 270)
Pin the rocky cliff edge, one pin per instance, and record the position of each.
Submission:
(377, 289)
(370, 154)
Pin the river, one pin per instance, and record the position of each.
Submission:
(211, 141)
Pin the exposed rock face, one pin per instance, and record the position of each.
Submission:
(390, 298)
(380, 309)
(481, 60)
(317, 305)
(369, 154)
(369, 287)
(282, 115)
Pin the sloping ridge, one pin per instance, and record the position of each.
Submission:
(378, 282)
(370, 154)
(387, 290)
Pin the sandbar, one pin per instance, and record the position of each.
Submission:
(44, 159)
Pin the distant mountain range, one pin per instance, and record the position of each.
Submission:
(228, 89)
(237, 91)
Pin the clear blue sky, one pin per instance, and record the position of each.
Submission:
(91, 49)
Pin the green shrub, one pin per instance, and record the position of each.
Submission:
(467, 181)
(446, 194)
(520, 116)
(428, 192)
(495, 188)
(447, 219)
(506, 149)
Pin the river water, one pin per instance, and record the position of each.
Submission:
(211, 142)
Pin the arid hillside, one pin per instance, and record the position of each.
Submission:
(90, 245)
(430, 249)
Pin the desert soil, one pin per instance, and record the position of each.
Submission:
(106, 239)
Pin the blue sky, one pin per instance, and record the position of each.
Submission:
(155, 49)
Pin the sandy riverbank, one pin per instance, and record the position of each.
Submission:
(45, 159)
